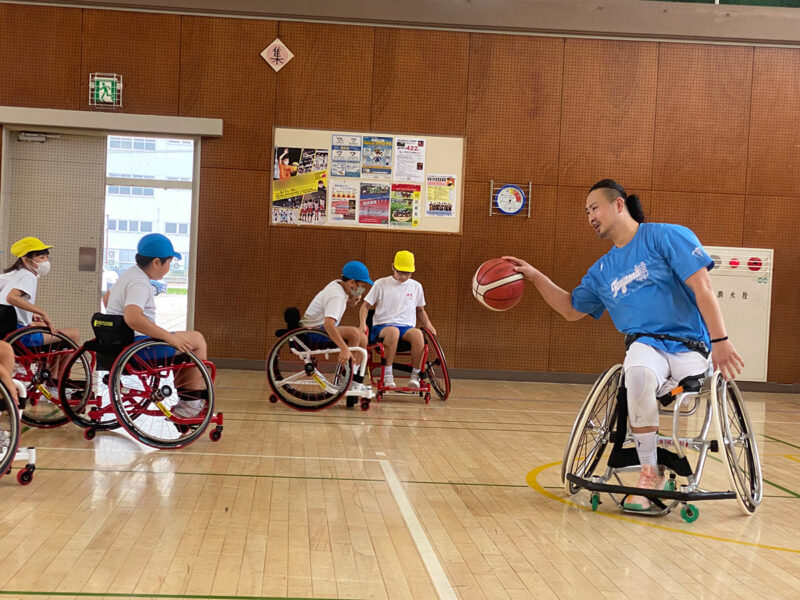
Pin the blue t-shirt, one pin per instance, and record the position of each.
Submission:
(642, 285)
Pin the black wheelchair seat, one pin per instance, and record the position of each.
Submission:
(291, 317)
(111, 336)
(692, 383)
(8, 319)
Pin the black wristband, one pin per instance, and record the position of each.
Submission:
(722, 339)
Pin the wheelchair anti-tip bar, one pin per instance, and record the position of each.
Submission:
(648, 493)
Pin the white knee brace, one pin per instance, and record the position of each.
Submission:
(641, 384)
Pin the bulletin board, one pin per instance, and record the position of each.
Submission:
(367, 180)
(742, 279)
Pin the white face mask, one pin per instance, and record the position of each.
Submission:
(358, 292)
(43, 268)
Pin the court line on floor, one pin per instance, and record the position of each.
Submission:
(780, 441)
(133, 595)
(532, 479)
(430, 560)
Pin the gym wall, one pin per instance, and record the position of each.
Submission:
(706, 134)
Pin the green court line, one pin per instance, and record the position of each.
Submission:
(503, 485)
(121, 595)
(780, 441)
(767, 481)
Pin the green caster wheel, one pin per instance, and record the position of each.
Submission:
(595, 502)
(689, 513)
(670, 486)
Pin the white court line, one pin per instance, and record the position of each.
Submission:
(441, 583)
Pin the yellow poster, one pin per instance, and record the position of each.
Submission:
(298, 185)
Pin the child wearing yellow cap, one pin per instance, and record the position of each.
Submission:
(399, 303)
(19, 285)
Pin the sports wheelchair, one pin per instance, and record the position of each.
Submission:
(433, 374)
(603, 421)
(128, 383)
(36, 368)
(10, 434)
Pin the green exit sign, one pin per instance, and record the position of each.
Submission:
(105, 90)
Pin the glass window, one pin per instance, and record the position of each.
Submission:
(122, 225)
(170, 228)
(138, 144)
(145, 226)
(148, 192)
(113, 189)
(133, 225)
(124, 189)
(112, 224)
(183, 228)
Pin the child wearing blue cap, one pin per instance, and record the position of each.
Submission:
(132, 297)
(328, 306)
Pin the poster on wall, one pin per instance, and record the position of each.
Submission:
(376, 157)
(373, 204)
(313, 205)
(345, 155)
(299, 192)
(440, 195)
(343, 200)
(405, 205)
(409, 160)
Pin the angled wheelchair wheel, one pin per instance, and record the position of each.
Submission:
(592, 430)
(144, 387)
(436, 366)
(86, 396)
(304, 372)
(36, 367)
(739, 451)
(9, 430)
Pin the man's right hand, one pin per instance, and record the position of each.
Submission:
(179, 343)
(345, 356)
(528, 271)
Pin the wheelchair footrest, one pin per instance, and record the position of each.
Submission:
(635, 491)
(627, 457)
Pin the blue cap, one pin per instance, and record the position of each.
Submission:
(156, 245)
(356, 270)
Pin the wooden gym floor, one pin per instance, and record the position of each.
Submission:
(404, 501)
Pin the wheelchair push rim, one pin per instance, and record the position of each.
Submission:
(9, 430)
(739, 450)
(144, 394)
(592, 430)
(306, 375)
(436, 366)
(34, 369)
(91, 407)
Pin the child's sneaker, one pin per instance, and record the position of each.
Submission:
(188, 409)
(650, 478)
(413, 381)
(388, 381)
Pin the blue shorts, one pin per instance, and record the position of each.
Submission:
(31, 340)
(319, 338)
(154, 352)
(376, 330)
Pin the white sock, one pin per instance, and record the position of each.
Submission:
(646, 448)
(415, 372)
(388, 372)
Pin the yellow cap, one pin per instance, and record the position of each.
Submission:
(28, 244)
(404, 261)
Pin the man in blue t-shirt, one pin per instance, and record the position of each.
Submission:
(654, 280)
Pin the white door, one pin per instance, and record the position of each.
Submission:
(55, 190)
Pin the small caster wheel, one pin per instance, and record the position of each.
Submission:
(215, 434)
(690, 513)
(365, 404)
(595, 500)
(379, 396)
(8, 472)
(427, 397)
(25, 476)
(89, 433)
(351, 401)
(273, 398)
(670, 485)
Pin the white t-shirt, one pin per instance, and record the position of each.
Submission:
(132, 287)
(330, 302)
(395, 302)
(26, 282)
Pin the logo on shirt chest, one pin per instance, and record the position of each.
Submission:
(621, 284)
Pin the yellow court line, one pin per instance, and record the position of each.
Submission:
(533, 481)
(792, 457)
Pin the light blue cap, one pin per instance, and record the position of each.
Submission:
(356, 270)
(156, 245)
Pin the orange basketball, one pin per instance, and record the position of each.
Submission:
(497, 285)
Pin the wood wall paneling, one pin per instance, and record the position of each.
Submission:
(142, 47)
(40, 57)
(303, 260)
(773, 222)
(233, 263)
(773, 167)
(717, 219)
(419, 82)
(328, 83)
(608, 112)
(702, 118)
(517, 339)
(223, 76)
(514, 108)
